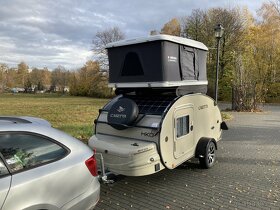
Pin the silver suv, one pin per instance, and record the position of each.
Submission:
(44, 168)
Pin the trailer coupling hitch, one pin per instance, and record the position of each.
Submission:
(104, 179)
(103, 176)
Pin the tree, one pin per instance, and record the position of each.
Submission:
(270, 14)
(172, 27)
(45, 77)
(35, 77)
(74, 84)
(194, 26)
(22, 74)
(11, 77)
(249, 51)
(258, 61)
(200, 26)
(101, 39)
(90, 81)
(59, 79)
(40, 78)
(28, 86)
(3, 76)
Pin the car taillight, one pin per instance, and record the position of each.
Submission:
(91, 163)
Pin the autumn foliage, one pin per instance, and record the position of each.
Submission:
(249, 52)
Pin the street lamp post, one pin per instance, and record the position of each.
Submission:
(219, 31)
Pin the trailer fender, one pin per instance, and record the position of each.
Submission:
(224, 126)
(201, 146)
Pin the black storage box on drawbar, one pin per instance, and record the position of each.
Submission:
(158, 61)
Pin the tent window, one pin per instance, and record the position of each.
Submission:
(187, 55)
(132, 65)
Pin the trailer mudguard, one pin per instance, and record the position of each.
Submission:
(202, 145)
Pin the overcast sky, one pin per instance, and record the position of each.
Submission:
(59, 32)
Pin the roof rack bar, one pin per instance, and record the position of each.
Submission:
(14, 119)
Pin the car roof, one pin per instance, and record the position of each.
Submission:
(38, 126)
(23, 120)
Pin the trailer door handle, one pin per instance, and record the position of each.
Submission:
(191, 128)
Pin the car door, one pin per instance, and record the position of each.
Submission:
(183, 131)
(33, 163)
(5, 182)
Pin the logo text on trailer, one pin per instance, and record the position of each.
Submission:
(205, 106)
(149, 134)
(171, 58)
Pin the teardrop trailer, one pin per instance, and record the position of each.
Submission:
(161, 116)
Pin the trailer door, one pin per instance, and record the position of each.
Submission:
(183, 130)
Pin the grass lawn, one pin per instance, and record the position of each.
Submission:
(74, 115)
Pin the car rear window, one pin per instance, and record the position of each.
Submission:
(24, 150)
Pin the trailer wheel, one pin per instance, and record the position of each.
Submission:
(208, 160)
(123, 113)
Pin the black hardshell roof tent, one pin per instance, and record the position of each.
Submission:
(159, 61)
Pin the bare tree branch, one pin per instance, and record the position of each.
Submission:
(101, 39)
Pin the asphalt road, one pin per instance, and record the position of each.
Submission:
(246, 174)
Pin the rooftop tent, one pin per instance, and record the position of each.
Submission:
(157, 61)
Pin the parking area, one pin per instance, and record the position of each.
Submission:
(246, 174)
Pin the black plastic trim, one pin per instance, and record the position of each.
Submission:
(202, 144)
(146, 113)
(130, 126)
(180, 65)
(6, 165)
(224, 126)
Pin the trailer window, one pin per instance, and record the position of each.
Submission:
(182, 126)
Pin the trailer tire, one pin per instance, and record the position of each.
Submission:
(122, 114)
(206, 155)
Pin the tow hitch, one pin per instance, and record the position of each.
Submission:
(103, 176)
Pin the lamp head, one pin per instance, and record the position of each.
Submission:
(219, 31)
